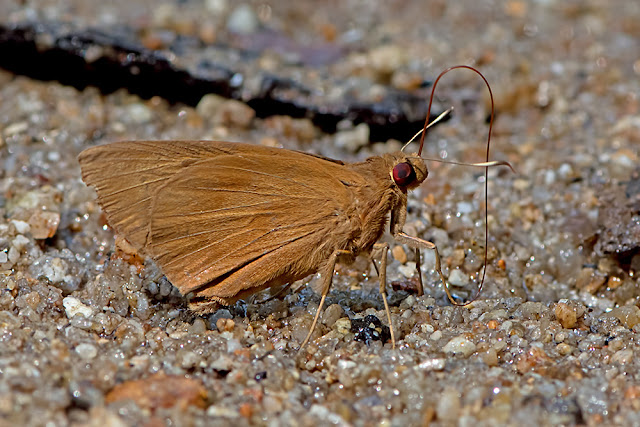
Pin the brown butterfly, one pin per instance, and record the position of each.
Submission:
(225, 220)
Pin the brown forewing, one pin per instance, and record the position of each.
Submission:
(223, 219)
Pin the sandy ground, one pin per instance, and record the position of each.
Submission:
(87, 338)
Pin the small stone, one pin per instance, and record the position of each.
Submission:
(566, 316)
(490, 357)
(399, 254)
(216, 7)
(531, 360)
(225, 325)
(590, 280)
(623, 356)
(406, 80)
(456, 259)
(222, 412)
(73, 306)
(386, 59)
(629, 316)
(568, 312)
(302, 130)
(332, 314)
(187, 359)
(427, 328)
(3, 257)
(353, 139)
(20, 242)
(21, 227)
(460, 345)
(614, 282)
(199, 326)
(44, 224)
(458, 278)
(161, 391)
(55, 270)
(243, 20)
(86, 351)
(138, 113)
(408, 269)
(616, 344)
(343, 325)
(234, 113)
(449, 405)
(13, 255)
(408, 302)
(16, 128)
(209, 105)
(564, 349)
(437, 364)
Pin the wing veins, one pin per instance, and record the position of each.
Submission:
(216, 210)
(267, 174)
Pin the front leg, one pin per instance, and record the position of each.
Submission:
(383, 249)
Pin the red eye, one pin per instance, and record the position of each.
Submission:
(403, 174)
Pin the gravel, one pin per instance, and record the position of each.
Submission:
(87, 338)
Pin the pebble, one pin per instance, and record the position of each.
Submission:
(13, 255)
(16, 128)
(622, 356)
(234, 114)
(20, 242)
(449, 405)
(44, 224)
(564, 349)
(353, 139)
(629, 316)
(86, 351)
(408, 269)
(3, 257)
(458, 278)
(160, 391)
(460, 345)
(73, 306)
(222, 412)
(225, 325)
(436, 335)
(427, 328)
(332, 314)
(399, 254)
(384, 60)
(432, 365)
(216, 7)
(21, 227)
(138, 113)
(187, 359)
(243, 20)
(343, 325)
(209, 105)
(566, 315)
(54, 269)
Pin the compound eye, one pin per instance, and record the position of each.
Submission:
(403, 174)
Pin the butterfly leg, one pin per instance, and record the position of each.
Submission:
(417, 243)
(327, 277)
(382, 273)
(419, 271)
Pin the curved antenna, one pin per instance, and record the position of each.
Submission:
(486, 166)
(439, 118)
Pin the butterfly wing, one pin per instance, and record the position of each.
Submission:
(224, 219)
